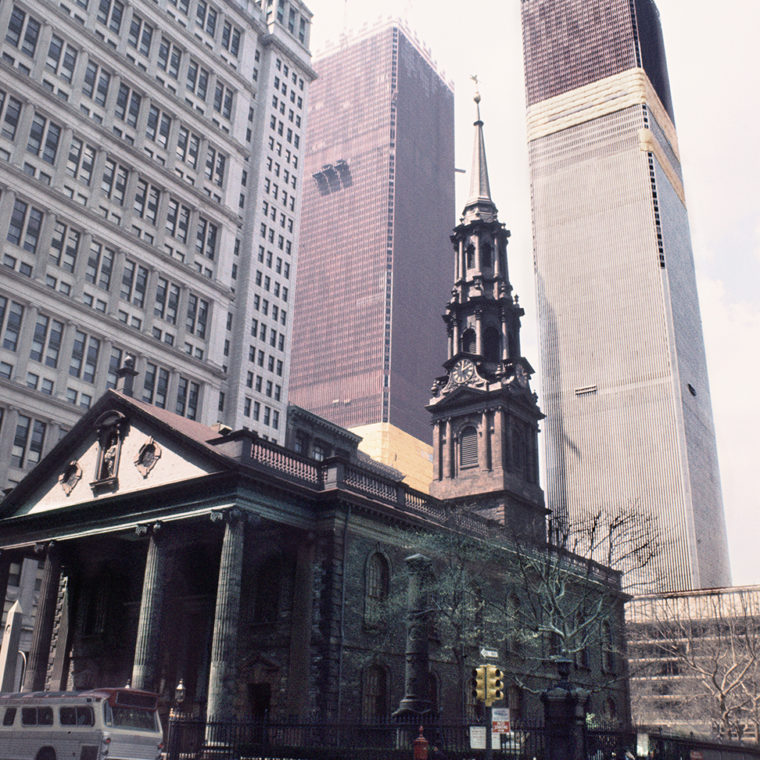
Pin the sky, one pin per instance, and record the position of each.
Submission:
(714, 64)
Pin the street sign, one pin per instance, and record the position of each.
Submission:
(489, 654)
(500, 720)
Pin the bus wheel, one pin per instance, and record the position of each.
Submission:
(46, 753)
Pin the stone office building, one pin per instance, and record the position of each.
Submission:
(150, 190)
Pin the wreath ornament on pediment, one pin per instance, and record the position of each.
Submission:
(71, 475)
(147, 456)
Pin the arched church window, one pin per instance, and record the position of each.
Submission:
(468, 447)
(485, 255)
(375, 693)
(491, 344)
(470, 253)
(377, 588)
(468, 341)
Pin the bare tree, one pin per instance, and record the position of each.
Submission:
(622, 538)
(570, 605)
(533, 600)
(702, 652)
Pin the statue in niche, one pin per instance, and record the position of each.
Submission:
(111, 429)
(108, 467)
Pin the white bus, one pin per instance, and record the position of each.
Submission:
(102, 724)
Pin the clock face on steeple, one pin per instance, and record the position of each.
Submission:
(463, 371)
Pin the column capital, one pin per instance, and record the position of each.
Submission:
(149, 529)
(43, 548)
(233, 515)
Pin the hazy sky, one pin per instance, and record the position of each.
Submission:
(714, 64)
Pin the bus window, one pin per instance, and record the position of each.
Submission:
(77, 716)
(36, 716)
(131, 717)
(9, 717)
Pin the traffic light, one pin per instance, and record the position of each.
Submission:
(478, 683)
(494, 684)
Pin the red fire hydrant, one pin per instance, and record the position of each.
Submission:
(421, 745)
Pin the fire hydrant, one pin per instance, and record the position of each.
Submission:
(421, 745)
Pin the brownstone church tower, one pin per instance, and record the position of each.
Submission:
(485, 416)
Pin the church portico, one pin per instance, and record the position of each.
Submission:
(270, 583)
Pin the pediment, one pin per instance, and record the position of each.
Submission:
(117, 448)
(460, 395)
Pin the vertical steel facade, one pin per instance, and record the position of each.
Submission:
(629, 418)
(373, 264)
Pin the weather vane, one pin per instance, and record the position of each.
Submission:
(474, 78)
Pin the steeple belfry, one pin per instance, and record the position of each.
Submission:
(485, 415)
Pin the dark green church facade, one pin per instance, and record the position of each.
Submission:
(268, 582)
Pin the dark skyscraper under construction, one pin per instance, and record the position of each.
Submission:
(373, 267)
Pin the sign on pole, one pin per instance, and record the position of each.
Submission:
(489, 654)
(500, 720)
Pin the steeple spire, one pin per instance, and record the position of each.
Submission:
(485, 415)
(479, 204)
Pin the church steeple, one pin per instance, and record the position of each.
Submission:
(479, 204)
(485, 415)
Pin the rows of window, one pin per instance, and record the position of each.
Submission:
(44, 141)
(66, 244)
(126, 107)
(26, 224)
(259, 412)
(281, 195)
(83, 359)
(260, 385)
(207, 20)
(265, 360)
(24, 32)
(280, 266)
(289, 16)
(261, 330)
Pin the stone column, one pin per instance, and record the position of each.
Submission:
(222, 686)
(5, 567)
(504, 338)
(300, 631)
(479, 330)
(484, 451)
(497, 450)
(145, 664)
(416, 673)
(36, 670)
(447, 451)
(437, 450)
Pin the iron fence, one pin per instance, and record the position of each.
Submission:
(194, 739)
